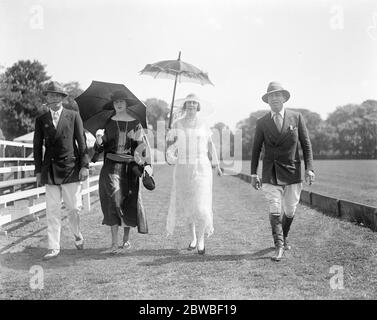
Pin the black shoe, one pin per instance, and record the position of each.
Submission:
(202, 251)
(287, 246)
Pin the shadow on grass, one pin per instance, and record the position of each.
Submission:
(187, 258)
(30, 256)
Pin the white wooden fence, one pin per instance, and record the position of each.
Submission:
(12, 190)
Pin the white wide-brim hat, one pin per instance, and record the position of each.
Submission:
(206, 108)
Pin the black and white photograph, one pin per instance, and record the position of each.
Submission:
(188, 155)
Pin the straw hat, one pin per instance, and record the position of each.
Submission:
(275, 87)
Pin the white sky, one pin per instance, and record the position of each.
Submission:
(323, 52)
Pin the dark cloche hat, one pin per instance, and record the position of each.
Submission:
(121, 95)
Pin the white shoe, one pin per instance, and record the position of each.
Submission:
(111, 250)
(52, 253)
(125, 245)
(79, 244)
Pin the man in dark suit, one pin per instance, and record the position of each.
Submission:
(65, 163)
(280, 132)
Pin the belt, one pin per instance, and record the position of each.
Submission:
(117, 157)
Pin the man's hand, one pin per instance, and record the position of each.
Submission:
(39, 179)
(255, 182)
(309, 176)
(83, 174)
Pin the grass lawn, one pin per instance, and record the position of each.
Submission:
(237, 263)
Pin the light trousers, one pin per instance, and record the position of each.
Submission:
(282, 198)
(70, 193)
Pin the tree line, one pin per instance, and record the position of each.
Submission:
(348, 132)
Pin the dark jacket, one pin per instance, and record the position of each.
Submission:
(66, 150)
(281, 162)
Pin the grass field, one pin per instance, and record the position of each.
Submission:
(354, 180)
(236, 265)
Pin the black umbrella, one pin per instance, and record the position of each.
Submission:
(95, 105)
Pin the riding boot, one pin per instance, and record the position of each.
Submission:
(277, 234)
(286, 225)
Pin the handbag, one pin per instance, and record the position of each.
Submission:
(148, 181)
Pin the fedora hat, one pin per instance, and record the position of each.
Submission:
(121, 95)
(55, 87)
(275, 87)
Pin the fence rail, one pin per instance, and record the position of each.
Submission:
(9, 195)
(16, 159)
(16, 144)
(13, 214)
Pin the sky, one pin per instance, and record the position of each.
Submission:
(324, 52)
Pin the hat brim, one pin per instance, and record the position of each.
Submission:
(206, 108)
(286, 94)
(130, 102)
(52, 91)
(181, 102)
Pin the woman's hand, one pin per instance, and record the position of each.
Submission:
(99, 135)
(148, 168)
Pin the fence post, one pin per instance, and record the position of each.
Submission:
(31, 217)
(3, 232)
(86, 196)
(2, 151)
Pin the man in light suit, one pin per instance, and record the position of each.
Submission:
(65, 163)
(280, 132)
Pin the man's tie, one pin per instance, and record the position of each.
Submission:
(278, 121)
(55, 118)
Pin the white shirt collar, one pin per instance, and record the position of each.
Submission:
(58, 111)
(282, 111)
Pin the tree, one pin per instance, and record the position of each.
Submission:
(315, 126)
(156, 110)
(356, 126)
(248, 126)
(73, 90)
(226, 147)
(21, 92)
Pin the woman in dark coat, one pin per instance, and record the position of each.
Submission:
(123, 146)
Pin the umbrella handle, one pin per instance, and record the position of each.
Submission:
(172, 101)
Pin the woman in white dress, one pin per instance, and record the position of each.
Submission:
(191, 194)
